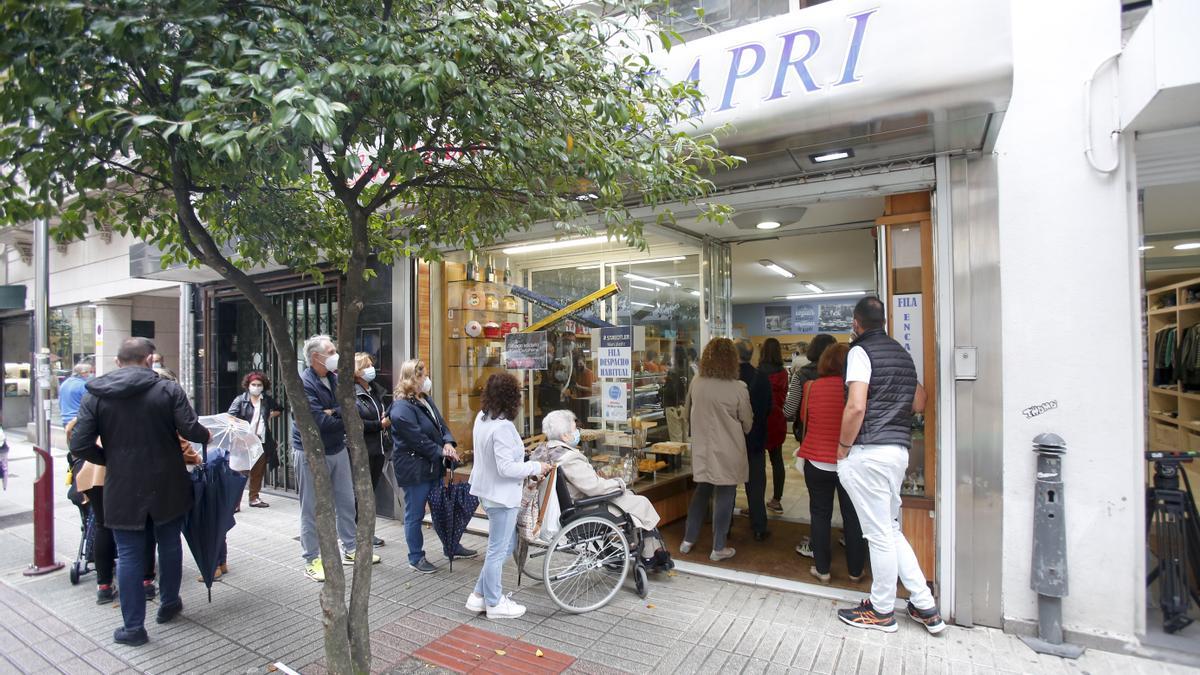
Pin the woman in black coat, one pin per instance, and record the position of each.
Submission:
(375, 423)
(257, 407)
(421, 441)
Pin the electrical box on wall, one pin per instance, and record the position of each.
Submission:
(965, 364)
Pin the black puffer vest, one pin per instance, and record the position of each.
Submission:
(888, 420)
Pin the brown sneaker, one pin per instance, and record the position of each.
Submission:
(775, 506)
(930, 618)
(865, 616)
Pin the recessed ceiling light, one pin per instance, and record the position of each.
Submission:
(831, 156)
(640, 304)
(551, 245)
(674, 258)
(1188, 246)
(1145, 248)
(648, 280)
(812, 287)
(768, 225)
(806, 296)
(644, 288)
(776, 268)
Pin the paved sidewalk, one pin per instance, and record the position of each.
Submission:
(265, 611)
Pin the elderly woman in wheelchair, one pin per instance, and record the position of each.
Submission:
(562, 450)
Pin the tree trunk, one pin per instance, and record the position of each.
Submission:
(333, 592)
(351, 305)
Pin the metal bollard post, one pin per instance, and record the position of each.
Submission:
(1048, 577)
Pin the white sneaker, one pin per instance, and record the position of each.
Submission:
(686, 547)
(722, 554)
(475, 603)
(505, 609)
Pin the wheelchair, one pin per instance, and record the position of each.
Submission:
(590, 557)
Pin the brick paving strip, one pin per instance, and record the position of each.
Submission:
(264, 612)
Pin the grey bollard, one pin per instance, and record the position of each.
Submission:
(1048, 576)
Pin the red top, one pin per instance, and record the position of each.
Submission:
(821, 408)
(776, 423)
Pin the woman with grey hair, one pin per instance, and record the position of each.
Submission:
(562, 449)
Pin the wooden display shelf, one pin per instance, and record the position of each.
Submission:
(1163, 431)
(1165, 418)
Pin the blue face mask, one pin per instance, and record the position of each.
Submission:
(575, 438)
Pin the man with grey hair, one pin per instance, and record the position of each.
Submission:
(756, 440)
(320, 385)
(71, 391)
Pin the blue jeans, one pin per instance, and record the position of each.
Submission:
(502, 538)
(131, 552)
(415, 498)
(343, 502)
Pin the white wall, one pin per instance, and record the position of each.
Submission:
(1070, 316)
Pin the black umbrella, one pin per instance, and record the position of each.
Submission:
(451, 506)
(216, 491)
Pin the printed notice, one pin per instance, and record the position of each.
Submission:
(526, 351)
(615, 360)
(616, 402)
(908, 329)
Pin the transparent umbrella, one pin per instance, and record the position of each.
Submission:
(234, 436)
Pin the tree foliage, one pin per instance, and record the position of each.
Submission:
(240, 133)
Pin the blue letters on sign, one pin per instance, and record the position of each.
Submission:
(735, 72)
(860, 29)
(789, 40)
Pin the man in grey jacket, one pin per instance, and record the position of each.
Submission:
(882, 395)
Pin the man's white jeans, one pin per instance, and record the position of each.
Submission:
(872, 475)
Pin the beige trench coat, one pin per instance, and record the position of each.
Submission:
(720, 417)
(582, 481)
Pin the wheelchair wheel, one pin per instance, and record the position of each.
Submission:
(586, 564)
(74, 573)
(529, 558)
(642, 581)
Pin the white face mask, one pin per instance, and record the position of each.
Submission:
(427, 386)
(157, 367)
(331, 362)
(368, 374)
(255, 389)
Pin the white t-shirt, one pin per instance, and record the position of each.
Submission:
(858, 366)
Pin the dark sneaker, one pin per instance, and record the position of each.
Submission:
(168, 612)
(423, 566)
(105, 594)
(151, 591)
(133, 638)
(865, 616)
(463, 552)
(377, 542)
(930, 618)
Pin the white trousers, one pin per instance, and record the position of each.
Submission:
(872, 475)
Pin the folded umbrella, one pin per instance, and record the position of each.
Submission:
(234, 435)
(216, 491)
(451, 506)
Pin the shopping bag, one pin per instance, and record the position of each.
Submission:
(551, 511)
(538, 519)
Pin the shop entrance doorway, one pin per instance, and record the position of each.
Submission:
(799, 280)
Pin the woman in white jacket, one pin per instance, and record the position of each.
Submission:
(496, 478)
(562, 450)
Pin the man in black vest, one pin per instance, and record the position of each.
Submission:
(883, 393)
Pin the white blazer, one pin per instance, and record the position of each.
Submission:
(500, 467)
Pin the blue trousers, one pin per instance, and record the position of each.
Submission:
(415, 499)
(502, 538)
(131, 552)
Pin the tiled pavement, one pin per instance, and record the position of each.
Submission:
(266, 611)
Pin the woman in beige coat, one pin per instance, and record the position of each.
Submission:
(562, 450)
(718, 408)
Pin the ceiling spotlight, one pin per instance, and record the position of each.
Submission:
(776, 268)
(831, 156)
(1188, 246)
(806, 296)
(812, 287)
(768, 225)
(648, 280)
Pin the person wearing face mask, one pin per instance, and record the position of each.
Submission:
(421, 442)
(562, 449)
(162, 370)
(320, 385)
(257, 407)
(369, 403)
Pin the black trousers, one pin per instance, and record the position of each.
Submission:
(756, 489)
(821, 487)
(777, 472)
(104, 547)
